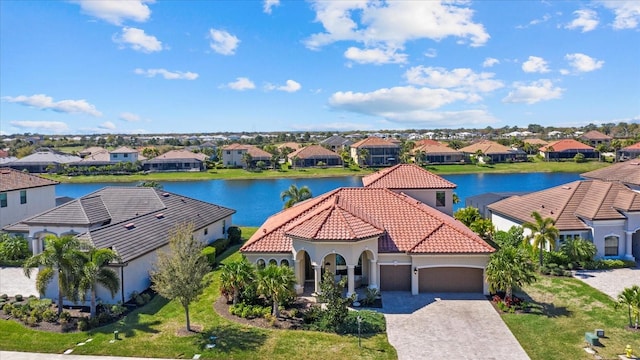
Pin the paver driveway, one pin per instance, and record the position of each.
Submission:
(447, 326)
(610, 282)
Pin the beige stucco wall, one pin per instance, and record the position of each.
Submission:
(428, 196)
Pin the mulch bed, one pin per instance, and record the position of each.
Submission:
(286, 320)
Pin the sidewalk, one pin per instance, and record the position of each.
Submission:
(13, 355)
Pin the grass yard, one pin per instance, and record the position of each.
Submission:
(566, 308)
(526, 167)
(152, 331)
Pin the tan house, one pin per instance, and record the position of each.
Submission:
(375, 151)
(177, 160)
(437, 154)
(629, 152)
(234, 155)
(493, 152)
(375, 237)
(595, 138)
(313, 155)
(567, 149)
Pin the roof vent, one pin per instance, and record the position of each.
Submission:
(165, 194)
(542, 206)
(130, 226)
(160, 216)
(566, 187)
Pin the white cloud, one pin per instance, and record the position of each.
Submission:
(489, 62)
(169, 75)
(129, 117)
(290, 86)
(586, 20)
(431, 53)
(627, 13)
(374, 56)
(138, 40)
(222, 42)
(107, 125)
(269, 4)
(389, 25)
(461, 79)
(117, 11)
(535, 65)
(335, 126)
(241, 83)
(533, 92)
(543, 19)
(56, 127)
(44, 102)
(583, 63)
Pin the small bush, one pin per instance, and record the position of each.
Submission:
(50, 316)
(249, 311)
(235, 235)
(4, 297)
(117, 310)
(555, 257)
(32, 321)
(103, 318)
(210, 253)
(19, 297)
(220, 245)
(7, 308)
(65, 317)
(372, 323)
(83, 324)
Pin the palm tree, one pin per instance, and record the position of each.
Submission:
(363, 155)
(235, 276)
(509, 268)
(247, 159)
(467, 215)
(630, 297)
(62, 257)
(275, 283)
(294, 195)
(578, 249)
(542, 232)
(94, 272)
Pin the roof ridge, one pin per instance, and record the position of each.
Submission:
(573, 191)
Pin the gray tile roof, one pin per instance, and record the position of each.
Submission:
(46, 157)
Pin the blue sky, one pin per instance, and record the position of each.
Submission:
(101, 66)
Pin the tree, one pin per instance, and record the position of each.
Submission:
(363, 155)
(630, 297)
(484, 228)
(508, 268)
(13, 247)
(150, 152)
(179, 273)
(578, 250)
(543, 232)
(235, 276)
(467, 215)
(62, 257)
(150, 183)
(276, 283)
(331, 294)
(513, 237)
(294, 195)
(247, 159)
(94, 271)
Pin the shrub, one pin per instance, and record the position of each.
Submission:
(65, 317)
(210, 253)
(370, 298)
(372, 323)
(235, 234)
(555, 257)
(4, 297)
(19, 297)
(220, 245)
(117, 310)
(249, 311)
(31, 321)
(83, 324)
(50, 315)
(103, 318)
(146, 297)
(7, 308)
(14, 248)
(579, 158)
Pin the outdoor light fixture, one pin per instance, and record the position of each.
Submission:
(415, 271)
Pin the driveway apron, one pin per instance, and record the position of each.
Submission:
(447, 326)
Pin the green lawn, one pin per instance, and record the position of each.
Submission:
(230, 174)
(152, 332)
(566, 308)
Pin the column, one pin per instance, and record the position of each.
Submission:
(629, 247)
(299, 271)
(35, 245)
(373, 274)
(317, 269)
(350, 280)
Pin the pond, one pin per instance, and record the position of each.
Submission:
(256, 200)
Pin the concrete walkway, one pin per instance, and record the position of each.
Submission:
(447, 326)
(13, 355)
(13, 281)
(610, 282)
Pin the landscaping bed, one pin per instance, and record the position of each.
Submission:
(289, 318)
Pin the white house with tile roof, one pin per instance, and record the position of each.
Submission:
(135, 222)
(23, 195)
(378, 237)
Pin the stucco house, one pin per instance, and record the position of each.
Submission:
(436, 153)
(123, 154)
(631, 152)
(23, 195)
(379, 152)
(42, 161)
(595, 138)
(627, 173)
(567, 149)
(375, 237)
(177, 160)
(233, 155)
(493, 152)
(132, 221)
(336, 143)
(312, 155)
(603, 212)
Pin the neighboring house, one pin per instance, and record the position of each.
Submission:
(95, 158)
(595, 138)
(42, 161)
(374, 237)
(536, 142)
(312, 155)
(233, 155)
(123, 154)
(482, 201)
(416, 182)
(23, 195)
(629, 152)
(567, 149)
(627, 173)
(90, 151)
(493, 152)
(336, 143)
(379, 152)
(605, 213)
(176, 160)
(291, 145)
(135, 222)
(436, 154)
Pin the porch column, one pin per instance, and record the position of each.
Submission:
(35, 245)
(373, 274)
(628, 247)
(299, 271)
(350, 280)
(317, 269)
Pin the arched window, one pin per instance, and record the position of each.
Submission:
(611, 246)
(273, 262)
(284, 262)
(260, 264)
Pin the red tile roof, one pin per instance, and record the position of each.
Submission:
(595, 135)
(11, 179)
(402, 224)
(635, 146)
(566, 204)
(625, 172)
(566, 144)
(373, 141)
(406, 176)
(427, 142)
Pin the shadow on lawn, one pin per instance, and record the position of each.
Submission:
(545, 309)
(131, 323)
(229, 338)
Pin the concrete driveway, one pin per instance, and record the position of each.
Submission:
(610, 282)
(13, 282)
(447, 326)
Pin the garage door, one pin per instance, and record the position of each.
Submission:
(395, 278)
(450, 279)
